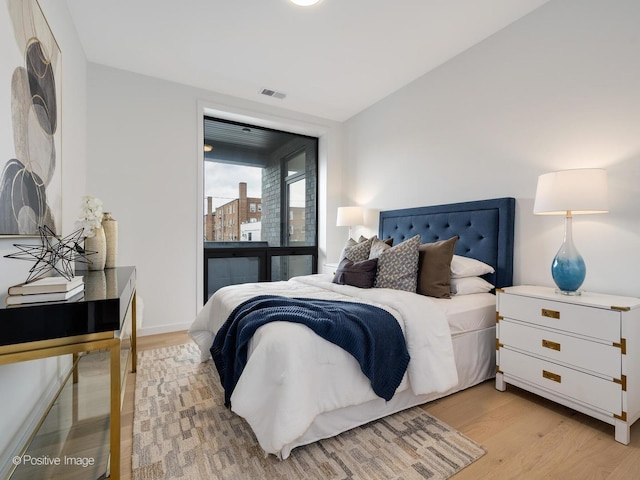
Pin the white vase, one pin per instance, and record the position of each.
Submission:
(97, 244)
(110, 226)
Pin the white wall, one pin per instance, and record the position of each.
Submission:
(26, 387)
(558, 89)
(145, 164)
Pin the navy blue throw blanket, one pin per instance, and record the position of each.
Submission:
(372, 335)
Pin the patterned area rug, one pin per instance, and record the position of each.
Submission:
(183, 431)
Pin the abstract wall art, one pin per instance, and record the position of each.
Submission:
(30, 132)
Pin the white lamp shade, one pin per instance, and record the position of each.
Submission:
(350, 216)
(579, 191)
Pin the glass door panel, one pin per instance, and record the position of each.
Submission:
(284, 267)
(296, 213)
(231, 271)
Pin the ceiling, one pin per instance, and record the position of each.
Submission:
(241, 144)
(332, 60)
(250, 136)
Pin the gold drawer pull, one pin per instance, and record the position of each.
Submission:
(551, 345)
(552, 376)
(550, 313)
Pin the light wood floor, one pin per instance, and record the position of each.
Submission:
(526, 437)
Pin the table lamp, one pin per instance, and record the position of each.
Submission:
(350, 216)
(570, 192)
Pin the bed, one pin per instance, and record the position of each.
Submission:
(297, 387)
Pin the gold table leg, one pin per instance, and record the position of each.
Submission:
(134, 326)
(114, 419)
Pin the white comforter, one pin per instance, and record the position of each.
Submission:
(292, 375)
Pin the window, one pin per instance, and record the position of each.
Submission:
(261, 188)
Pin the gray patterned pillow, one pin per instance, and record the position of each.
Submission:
(398, 266)
(350, 243)
(377, 247)
(358, 252)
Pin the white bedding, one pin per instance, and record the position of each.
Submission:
(293, 375)
(466, 313)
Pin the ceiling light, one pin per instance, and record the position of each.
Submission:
(207, 147)
(305, 3)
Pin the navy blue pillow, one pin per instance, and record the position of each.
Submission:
(357, 274)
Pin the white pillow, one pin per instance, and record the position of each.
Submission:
(467, 285)
(468, 267)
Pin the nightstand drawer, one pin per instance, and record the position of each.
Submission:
(588, 389)
(584, 320)
(561, 348)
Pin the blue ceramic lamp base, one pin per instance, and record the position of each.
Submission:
(568, 274)
(568, 269)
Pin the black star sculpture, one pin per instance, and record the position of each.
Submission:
(51, 255)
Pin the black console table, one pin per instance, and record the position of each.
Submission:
(105, 318)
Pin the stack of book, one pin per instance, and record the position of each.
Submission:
(48, 289)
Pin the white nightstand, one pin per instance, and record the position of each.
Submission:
(330, 268)
(580, 351)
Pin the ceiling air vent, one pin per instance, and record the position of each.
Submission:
(272, 93)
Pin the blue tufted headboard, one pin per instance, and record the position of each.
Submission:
(484, 227)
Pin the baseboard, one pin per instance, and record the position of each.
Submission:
(174, 327)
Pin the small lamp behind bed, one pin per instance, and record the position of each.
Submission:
(349, 217)
(569, 192)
